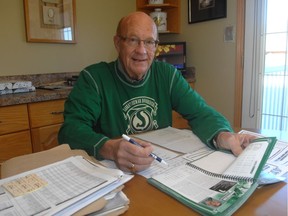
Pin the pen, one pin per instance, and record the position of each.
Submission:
(137, 144)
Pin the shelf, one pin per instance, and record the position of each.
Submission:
(171, 7)
(163, 32)
(159, 6)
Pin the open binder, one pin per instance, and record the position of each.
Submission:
(220, 192)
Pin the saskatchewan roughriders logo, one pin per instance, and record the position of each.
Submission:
(139, 112)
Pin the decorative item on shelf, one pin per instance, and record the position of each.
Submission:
(160, 18)
(156, 1)
(161, 49)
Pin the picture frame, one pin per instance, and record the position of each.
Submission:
(205, 10)
(50, 21)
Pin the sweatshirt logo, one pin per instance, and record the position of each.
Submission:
(139, 113)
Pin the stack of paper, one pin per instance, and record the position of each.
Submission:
(10, 87)
(68, 185)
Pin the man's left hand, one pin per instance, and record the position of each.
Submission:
(233, 141)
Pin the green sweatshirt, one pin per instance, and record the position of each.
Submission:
(105, 103)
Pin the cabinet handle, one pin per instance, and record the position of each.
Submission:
(57, 112)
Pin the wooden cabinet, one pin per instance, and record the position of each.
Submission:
(177, 120)
(14, 132)
(15, 144)
(28, 128)
(45, 121)
(46, 113)
(13, 119)
(171, 7)
(44, 138)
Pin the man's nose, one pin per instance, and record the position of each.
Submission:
(141, 47)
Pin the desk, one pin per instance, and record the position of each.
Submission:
(145, 200)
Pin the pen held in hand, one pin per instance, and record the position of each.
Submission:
(137, 144)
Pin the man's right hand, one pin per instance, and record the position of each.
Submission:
(127, 156)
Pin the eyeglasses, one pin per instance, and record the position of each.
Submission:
(134, 42)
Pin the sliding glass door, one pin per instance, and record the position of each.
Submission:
(265, 80)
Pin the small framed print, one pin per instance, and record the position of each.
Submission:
(205, 10)
(50, 21)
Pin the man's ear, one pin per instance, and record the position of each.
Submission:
(116, 40)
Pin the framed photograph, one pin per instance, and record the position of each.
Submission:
(204, 10)
(50, 21)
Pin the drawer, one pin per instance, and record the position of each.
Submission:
(15, 144)
(46, 113)
(13, 118)
(44, 138)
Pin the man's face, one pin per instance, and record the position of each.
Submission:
(135, 55)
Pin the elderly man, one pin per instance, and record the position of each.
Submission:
(137, 94)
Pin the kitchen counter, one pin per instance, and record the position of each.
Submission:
(40, 94)
(45, 95)
(37, 96)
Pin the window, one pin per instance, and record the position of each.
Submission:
(275, 93)
(265, 81)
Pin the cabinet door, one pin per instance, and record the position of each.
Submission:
(13, 118)
(15, 144)
(44, 138)
(178, 121)
(46, 113)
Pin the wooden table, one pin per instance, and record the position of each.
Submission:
(145, 200)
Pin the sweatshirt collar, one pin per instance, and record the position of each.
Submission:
(124, 73)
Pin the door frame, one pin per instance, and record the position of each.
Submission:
(239, 71)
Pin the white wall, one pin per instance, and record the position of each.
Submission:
(214, 59)
(96, 22)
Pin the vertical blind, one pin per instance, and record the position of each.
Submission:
(275, 86)
(265, 90)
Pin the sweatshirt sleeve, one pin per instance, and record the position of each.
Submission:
(203, 119)
(82, 110)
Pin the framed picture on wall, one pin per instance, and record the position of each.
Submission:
(204, 10)
(50, 21)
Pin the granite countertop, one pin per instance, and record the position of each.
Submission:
(40, 94)
(36, 96)
(46, 95)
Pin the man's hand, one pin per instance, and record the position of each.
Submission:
(128, 157)
(233, 141)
